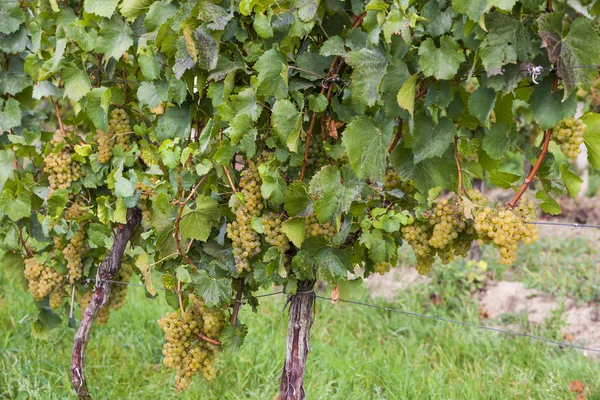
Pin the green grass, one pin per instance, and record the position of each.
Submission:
(357, 353)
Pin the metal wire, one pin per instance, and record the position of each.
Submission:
(572, 225)
(483, 327)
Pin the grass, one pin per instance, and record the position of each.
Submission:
(357, 352)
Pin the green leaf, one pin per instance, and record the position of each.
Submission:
(368, 69)
(571, 180)
(287, 123)
(442, 62)
(366, 147)
(481, 104)
(174, 123)
(130, 9)
(6, 166)
(440, 22)
(13, 268)
(207, 49)
(548, 204)
(331, 196)
(98, 101)
(182, 274)
(591, 138)
(294, 229)
(506, 42)
(143, 264)
(272, 72)
(296, 199)
(101, 8)
(115, 38)
(332, 264)
(273, 185)
(317, 103)
(547, 108)
(124, 188)
(13, 83)
(436, 171)
(10, 117)
(473, 8)
(429, 141)
(77, 82)
(158, 13)
(406, 94)
(232, 337)
(147, 95)
(262, 25)
(57, 202)
(11, 17)
(381, 247)
(334, 46)
(503, 179)
(214, 291)
(197, 224)
(496, 141)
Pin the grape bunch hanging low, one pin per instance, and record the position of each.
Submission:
(569, 135)
(185, 350)
(118, 130)
(73, 253)
(61, 169)
(448, 229)
(44, 281)
(273, 233)
(312, 228)
(245, 240)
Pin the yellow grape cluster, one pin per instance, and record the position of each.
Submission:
(273, 234)
(61, 169)
(506, 229)
(118, 127)
(317, 157)
(104, 146)
(74, 211)
(44, 281)
(569, 135)
(73, 253)
(184, 349)
(313, 228)
(116, 298)
(245, 240)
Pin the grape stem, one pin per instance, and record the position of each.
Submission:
(545, 143)
(460, 186)
(209, 340)
(60, 124)
(397, 137)
(179, 296)
(24, 243)
(334, 70)
(238, 304)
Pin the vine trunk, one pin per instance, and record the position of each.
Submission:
(298, 335)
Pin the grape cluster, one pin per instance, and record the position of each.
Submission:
(184, 349)
(61, 169)
(246, 241)
(382, 267)
(104, 146)
(74, 211)
(116, 298)
(317, 158)
(313, 228)
(506, 228)
(44, 281)
(118, 127)
(73, 253)
(273, 234)
(569, 135)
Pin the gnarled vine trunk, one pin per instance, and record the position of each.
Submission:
(106, 271)
(298, 335)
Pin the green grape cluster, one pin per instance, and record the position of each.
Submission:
(116, 298)
(148, 157)
(569, 135)
(273, 234)
(391, 180)
(417, 236)
(118, 127)
(184, 349)
(245, 240)
(317, 157)
(313, 228)
(104, 146)
(506, 228)
(44, 281)
(73, 253)
(382, 267)
(61, 169)
(74, 211)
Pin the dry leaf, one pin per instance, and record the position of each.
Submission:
(335, 294)
(576, 387)
(436, 299)
(483, 313)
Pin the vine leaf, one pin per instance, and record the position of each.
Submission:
(13, 268)
(296, 200)
(214, 291)
(481, 104)
(547, 108)
(406, 94)
(366, 146)
(331, 264)
(232, 337)
(429, 141)
(98, 101)
(287, 123)
(442, 62)
(332, 197)
(115, 38)
(548, 204)
(591, 138)
(130, 9)
(10, 117)
(11, 17)
(101, 8)
(496, 140)
(198, 223)
(473, 8)
(294, 229)
(368, 69)
(77, 82)
(571, 180)
(272, 74)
